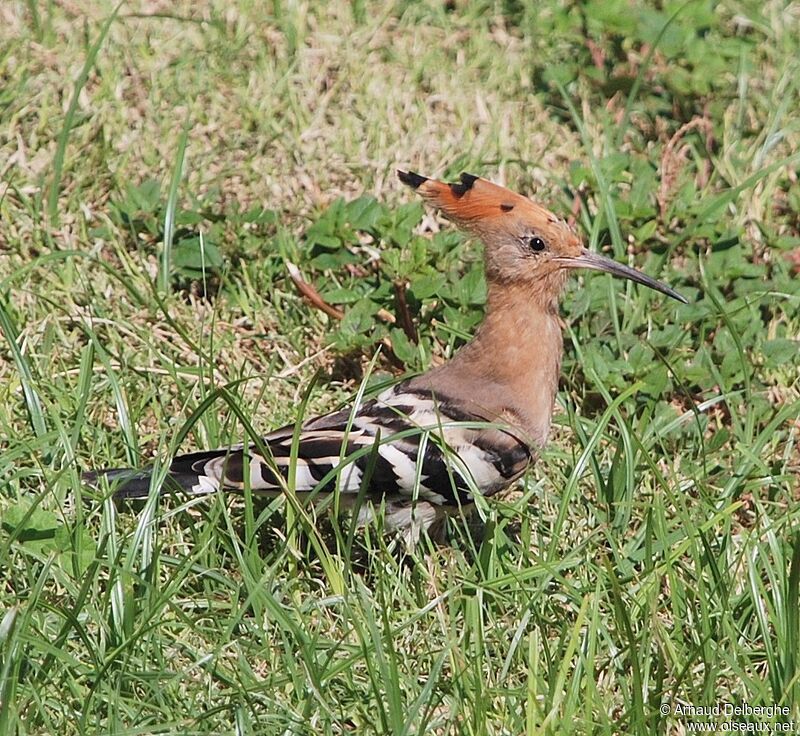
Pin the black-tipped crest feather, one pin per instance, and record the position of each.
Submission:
(467, 182)
(411, 178)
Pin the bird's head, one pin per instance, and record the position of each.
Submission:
(525, 244)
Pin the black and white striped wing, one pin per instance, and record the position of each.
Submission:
(429, 449)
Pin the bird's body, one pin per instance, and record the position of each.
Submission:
(427, 445)
(433, 452)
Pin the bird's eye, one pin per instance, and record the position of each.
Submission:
(536, 244)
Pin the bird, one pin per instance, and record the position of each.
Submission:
(427, 446)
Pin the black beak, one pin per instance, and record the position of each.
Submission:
(595, 261)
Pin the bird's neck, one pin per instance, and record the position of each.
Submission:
(511, 366)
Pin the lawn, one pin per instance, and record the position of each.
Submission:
(163, 164)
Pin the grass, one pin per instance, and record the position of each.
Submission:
(158, 170)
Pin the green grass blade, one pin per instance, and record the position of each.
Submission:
(32, 402)
(63, 138)
(170, 212)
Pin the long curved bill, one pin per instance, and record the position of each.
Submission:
(595, 261)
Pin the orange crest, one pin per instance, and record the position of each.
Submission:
(476, 203)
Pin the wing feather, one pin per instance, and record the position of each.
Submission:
(454, 461)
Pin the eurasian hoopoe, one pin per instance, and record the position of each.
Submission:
(471, 426)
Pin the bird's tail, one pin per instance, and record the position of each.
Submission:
(186, 474)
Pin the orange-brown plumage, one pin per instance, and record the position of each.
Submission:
(474, 201)
(510, 369)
